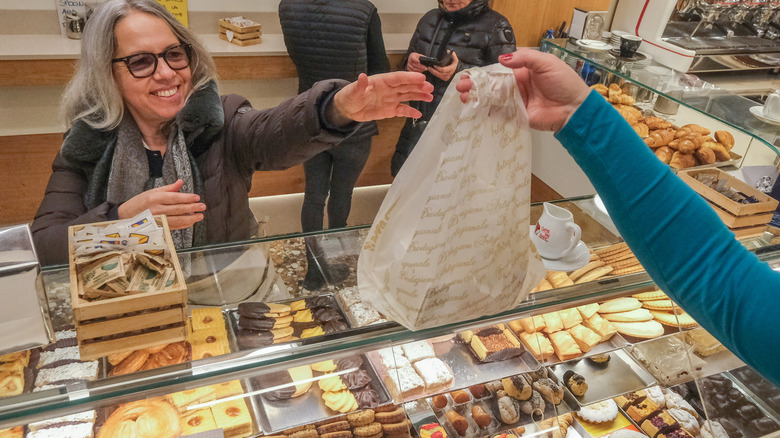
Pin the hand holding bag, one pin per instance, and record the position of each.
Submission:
(450, 242)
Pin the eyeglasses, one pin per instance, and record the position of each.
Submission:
(144, 64)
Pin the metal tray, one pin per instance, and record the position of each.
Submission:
(617, 341)
(622, 374)
(466, 368)
(279, 415)
(231, 318)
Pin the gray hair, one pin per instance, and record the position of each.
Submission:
(92, 94)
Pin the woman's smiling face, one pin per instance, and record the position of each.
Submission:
(154, 100)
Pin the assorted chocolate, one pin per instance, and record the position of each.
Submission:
(262, 324)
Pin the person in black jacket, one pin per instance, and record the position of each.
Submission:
(474, 33)
(332, 39)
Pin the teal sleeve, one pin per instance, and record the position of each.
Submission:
(677, 236)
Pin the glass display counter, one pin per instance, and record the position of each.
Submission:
(326, 354)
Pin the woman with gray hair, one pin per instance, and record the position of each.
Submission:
(148, 130)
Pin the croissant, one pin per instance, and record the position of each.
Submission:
(660, 137)
(601, 89)
(641, 129)
(682, 161)
(664, 153)
(654, 122)
(705, 155)
(725, 138)
(697, 128)
(721, 154)
(151, 417)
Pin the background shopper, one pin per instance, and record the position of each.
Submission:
(474, 33)
(332, 39)
(722, 285)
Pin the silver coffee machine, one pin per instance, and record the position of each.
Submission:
(705, 35)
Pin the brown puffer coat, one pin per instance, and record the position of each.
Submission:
(228, 141)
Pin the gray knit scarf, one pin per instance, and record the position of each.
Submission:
(129, 174)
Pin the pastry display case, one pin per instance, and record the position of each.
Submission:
(647, 90)
(288, 361)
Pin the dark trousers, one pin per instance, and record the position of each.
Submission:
(333, 172)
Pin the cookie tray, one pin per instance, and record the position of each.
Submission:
(466, 368)
(279, 415)
(231, 318)
(621, 375)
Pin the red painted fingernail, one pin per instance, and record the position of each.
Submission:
(505, 57)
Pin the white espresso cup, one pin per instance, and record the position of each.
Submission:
(555, 235)
(771, 108)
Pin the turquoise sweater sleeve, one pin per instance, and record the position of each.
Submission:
(677, 237)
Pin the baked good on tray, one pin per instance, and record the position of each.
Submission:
(495, 343)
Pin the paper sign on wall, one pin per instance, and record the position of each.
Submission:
(178, 8)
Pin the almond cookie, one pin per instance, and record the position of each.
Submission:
(336, 426)
(339, 434)
(362, 418)
(393, 416)
(397, 428)
(385, 408)
(368, 430)
(308, 433)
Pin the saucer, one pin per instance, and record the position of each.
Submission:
(594, 44)
(638, 56)
(758, 111)
(577, 258)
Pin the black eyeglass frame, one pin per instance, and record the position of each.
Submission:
(164, 55)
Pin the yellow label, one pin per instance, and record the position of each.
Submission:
(178, 8)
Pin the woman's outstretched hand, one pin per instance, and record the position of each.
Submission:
(551, 90)
(382, 96)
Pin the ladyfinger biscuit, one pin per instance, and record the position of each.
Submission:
(585, 269)
(594, 274)
(611, 248)
(626, 271)
(559, 279)
(627, 263)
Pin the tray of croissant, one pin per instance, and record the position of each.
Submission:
(690, 146)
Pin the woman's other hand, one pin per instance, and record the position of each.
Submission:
(445, 73)
(182, 209)
(551, 90)
(381, 96)
(413, 63)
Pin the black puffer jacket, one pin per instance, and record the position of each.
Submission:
(476, 33)
(334, 39)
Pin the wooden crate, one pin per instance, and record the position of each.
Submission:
(240, 42)
(254, 28)
(765, 202)
(115, 325)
